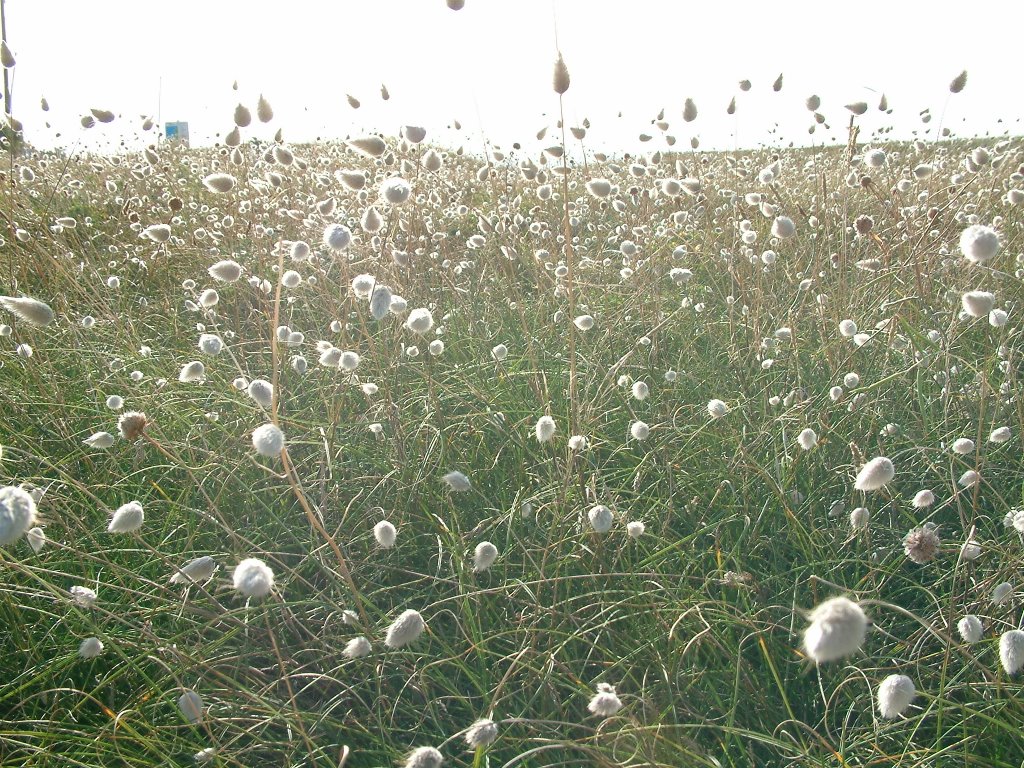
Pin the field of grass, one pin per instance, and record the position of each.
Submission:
(708, 276)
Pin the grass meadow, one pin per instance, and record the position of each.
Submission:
(610, 426)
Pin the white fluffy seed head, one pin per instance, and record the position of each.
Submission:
(1000, 435)
(420, 320)
(268, 440)
(584, 322)
(395, 191)
(970, 628)
(17, 513)
(357, 648)
(253, 578)
(36, 538)
(639, 430)
(262, 391)
(923, 498)
(641, 390)
(783, 227)
(859, 518)
(895, 695)
(351, 179)
(299, 250)
(264, 111)
(349, 361)
(195, 571)
(807, 439)
(368, 146)
(979, 243)
(83, 597)
(484, 556)
(717, 409)
(560, 81)
(7, 60)
(424, 757)
(838, 628)
(605, 702)
(432, 161)
(90, 648)
(380, 302)
(1011, 651)
(158, 233)
(28, 309)
(875, 474)
(499, 352)
(971, 550)
(209, 298)
(482, 733)
(128, 518)
(969, 479)
(371, 220)
(337, 237)
(963, 446)
(192, 372)
(219, 182)
(99, 440)
(635, 529)
(210, 344)
(689, 110)
(405, 629)
(386, 534)
(599, 188)
(191, 705)
(978, 303)
(1002, 593)
(545, 429)
(874, 158)
(363, 285)
(601, 518)
(242, 116)
(457, 481)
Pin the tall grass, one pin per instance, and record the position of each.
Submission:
(697, 623)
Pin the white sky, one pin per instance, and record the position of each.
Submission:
(489, 66)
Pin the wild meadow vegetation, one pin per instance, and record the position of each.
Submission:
(376, 452)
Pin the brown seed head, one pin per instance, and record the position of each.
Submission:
(921, 544)
(958, 82)
(132, 424)
(561, 78)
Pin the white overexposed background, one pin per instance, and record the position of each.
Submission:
(489, 66)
